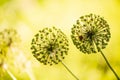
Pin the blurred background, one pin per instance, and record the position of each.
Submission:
(28, 16)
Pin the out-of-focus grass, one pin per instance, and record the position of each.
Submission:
(28, 16)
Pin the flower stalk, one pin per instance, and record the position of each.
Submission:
(70, 71)
(107, 62)
(10, 73)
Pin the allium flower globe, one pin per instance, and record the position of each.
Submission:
(49, 46)
(7, 38)
(90, 33)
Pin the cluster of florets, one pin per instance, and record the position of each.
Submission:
(49, 45)
(7, 38)
(90, 33)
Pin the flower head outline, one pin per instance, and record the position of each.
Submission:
(50, 46)
(90, 33)
(7, 38)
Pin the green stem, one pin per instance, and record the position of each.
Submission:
(11, 75)
(5, 67)
(69, 71)
(109, 65)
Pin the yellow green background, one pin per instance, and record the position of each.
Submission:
(28, 16)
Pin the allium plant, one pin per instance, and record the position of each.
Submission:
(50, 46)
(7, 38)
(91, 34)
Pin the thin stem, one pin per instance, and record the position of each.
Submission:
(69, 71)
(109, 65)
(11, 75)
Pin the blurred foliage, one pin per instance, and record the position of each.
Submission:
(41, 2)
(2, 2)
(29, 16)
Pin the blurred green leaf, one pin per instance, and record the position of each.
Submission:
(2, 2)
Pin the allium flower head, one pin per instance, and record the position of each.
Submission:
(49, 45)
(90, 33)
(7, 38)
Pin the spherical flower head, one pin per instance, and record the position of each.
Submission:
(7, 38)
(90, 33)
(49, 45)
